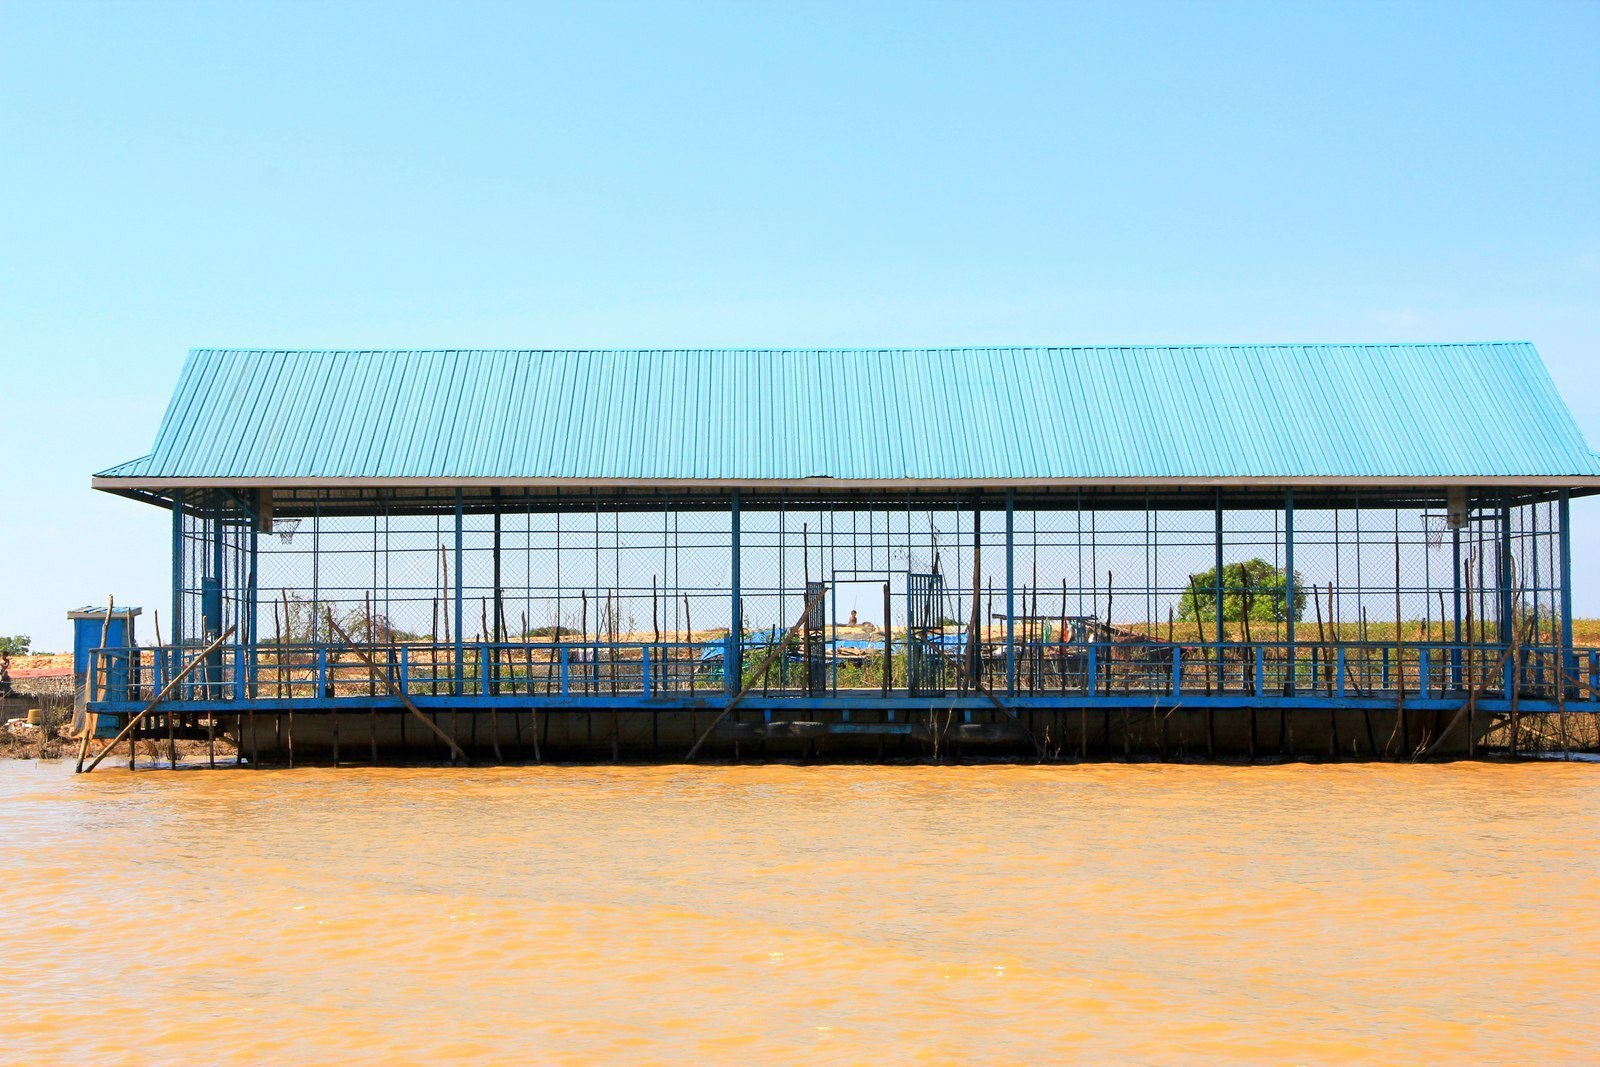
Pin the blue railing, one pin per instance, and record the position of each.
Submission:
(575, 669)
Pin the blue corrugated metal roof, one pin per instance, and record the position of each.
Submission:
(927, 414)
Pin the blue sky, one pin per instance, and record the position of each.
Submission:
(745, 174)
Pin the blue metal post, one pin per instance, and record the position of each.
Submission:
(1288, 579)
(1011, 588)
(253, 592)
(1455, 585)
(177, 567)
(1221, 679)
(1507, 607)
(461, 657)
(1564, 540)
(734, 656)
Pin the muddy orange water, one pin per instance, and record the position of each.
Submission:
(1103, 914)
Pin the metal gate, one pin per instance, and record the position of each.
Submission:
(814, 640)
(925, 663)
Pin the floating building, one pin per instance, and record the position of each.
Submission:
(1064, 552)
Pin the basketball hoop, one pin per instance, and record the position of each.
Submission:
(1435, 525)
(285, 529)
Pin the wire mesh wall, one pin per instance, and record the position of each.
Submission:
(1209, 574)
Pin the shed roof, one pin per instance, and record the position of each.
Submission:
(929, 416)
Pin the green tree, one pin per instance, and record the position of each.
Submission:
(1254, 581)
(17, 645)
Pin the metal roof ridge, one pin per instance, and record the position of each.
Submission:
(867, 350)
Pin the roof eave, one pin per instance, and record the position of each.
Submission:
(1541, 481)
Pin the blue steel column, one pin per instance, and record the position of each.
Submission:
(1288, 577)
(177, 567)
(735, 653)
(1218, 586)
(1455, 592)
(253, 589)
(1507, 605)
(1011, 588)
(461, 657)
(252, 599)
(1564, 522)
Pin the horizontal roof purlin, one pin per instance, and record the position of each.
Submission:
(1213, 414)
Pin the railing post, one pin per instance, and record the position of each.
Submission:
(405, 670)
(644, 670)
(1261, 661)
(1338, 671)
(483, 669)
(322, 670)
(1422, 672)
(563, 670)
(1177, 671)
(1089, 680)
(1509, 681)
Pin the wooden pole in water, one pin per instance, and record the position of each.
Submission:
(1249, 649)
(399, 694)
(494, 688)
(888, 643)
(172, 739)
(1105, 712)
(83, 742)
(1327, 665)
(132, 723)
(329, 691)
(1400, 659)
(1472, 691)
(688, 628)
(372, 688)
(766, 665)
(1200, 629)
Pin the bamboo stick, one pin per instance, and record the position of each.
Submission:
(396, 692)
(83, 742)
(128, 729)
(761, 673)
(172, 740)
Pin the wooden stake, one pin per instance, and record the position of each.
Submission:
(128, 729)
(83, 742)
(399, 694)
(766, 665)
(888, 643)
